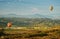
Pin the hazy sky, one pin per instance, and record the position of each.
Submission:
(23, 7)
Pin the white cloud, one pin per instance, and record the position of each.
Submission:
(40, 11)
(35, 10)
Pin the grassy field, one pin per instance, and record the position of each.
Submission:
(49, 33)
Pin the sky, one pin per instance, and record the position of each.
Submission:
(27, 7)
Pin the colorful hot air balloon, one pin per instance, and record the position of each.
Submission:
(9, 24)
(51, 8)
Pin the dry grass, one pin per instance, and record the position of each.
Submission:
(52, 33)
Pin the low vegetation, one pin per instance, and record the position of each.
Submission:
(30, 34)
(29, 28)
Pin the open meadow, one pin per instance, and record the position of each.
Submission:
(29, 28)
(33, 33)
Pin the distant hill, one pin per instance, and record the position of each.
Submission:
(27, 16)
(30, 22)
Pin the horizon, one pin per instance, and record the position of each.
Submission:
(29, 7)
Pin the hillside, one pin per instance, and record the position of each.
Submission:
(29, 22)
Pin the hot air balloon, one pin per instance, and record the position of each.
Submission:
(9, 24)
(51, 8)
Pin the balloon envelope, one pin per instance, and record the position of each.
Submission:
(51, 8)
(9, 24)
